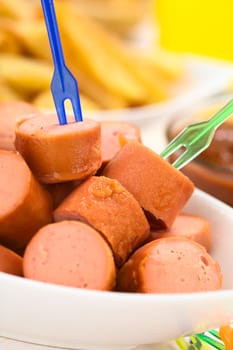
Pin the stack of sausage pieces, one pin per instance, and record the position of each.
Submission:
(87, 205)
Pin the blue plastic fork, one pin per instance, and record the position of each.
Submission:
(63, 86)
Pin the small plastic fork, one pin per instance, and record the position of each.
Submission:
(63, 86)
(196, 137)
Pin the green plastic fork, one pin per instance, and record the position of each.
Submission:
(196, 137)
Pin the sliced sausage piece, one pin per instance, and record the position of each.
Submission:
(24, 205)
(10, 113)
(160, 189)
(190, 226)
(70, 253)
(170, 265)
(108, 207)
(114, 135)
(57, 153)
(10, 262)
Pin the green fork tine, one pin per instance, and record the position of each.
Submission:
(196, 137)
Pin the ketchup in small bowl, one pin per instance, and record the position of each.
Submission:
(212, 170)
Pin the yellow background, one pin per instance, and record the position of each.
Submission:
(197, 26)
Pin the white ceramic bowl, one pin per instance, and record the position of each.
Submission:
(80, 319)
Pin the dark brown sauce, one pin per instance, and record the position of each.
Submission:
(221, 149)
(212, 170)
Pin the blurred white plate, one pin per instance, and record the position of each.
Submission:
(204, 78)
(74, 318)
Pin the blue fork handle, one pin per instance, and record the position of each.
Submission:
(54, 37)
(64, 85)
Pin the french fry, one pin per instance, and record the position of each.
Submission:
(7, 94)
(96, 54)
(120, 16)
(31, 36)
(87, 104)
(26, 75)
(110, 74)
(165, 64)
(22, 9)
(8, 43)
(153, 89)
(104, 98)
(156, 86)
(44, 101)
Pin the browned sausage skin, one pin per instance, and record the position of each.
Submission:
(170, 265)
(10, 262)
(70, 253)
(160, 189)
(194, 227)
(57, 153)
(107, 206)
(25, 205)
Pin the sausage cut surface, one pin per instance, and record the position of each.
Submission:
(108, 207)
(170, 265)
(57, 153)
(70, 253)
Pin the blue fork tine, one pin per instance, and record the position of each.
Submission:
(64, 86)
